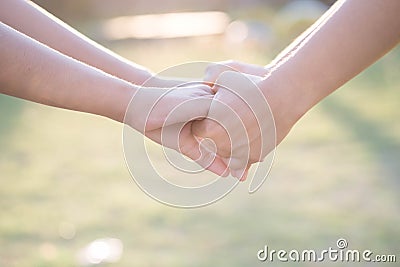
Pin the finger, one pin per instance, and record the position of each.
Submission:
(235, 173)
(206, 159)
(225, 160)
(241, 174)
(208, 149)
(219, 137)
(154, 135)
(199, 128)
(212, 72)
(245, 173)
(215, 69)
(187, 110)
(226, 172)
(238, 168)
(210, 161)
(237, 165)
(190, 147)
(197, 89)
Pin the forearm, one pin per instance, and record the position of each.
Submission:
(352, 38)
(32, 71)
(293, 46)
(35, 22)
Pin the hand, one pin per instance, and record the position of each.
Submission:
(214, 70)
(165, 117)
(156, 80)
(239, 122)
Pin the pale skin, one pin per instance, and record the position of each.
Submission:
(35, 22)
(351, 36)
(59, 67)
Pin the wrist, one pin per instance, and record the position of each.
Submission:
(142, 109)
(285, 103)
(119, 99)
(164, 82)
(134, 111)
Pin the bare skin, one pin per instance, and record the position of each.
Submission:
(44, 60)
(35, 22)
(350, 37)
(59, 67)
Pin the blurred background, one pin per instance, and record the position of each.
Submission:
(67, 198)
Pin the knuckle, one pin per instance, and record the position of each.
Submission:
(229, 63)
(201, 128)
(209, 128)
(212, 67)
(253, 159)
(188, 151)
(233, 65)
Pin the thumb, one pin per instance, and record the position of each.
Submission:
(211, 73)
(213, 70)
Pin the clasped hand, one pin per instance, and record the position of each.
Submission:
(224, 124)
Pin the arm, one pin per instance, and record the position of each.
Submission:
(293, 46)
(35, 22)
(35, 72)
(350, 39)
(214, 70)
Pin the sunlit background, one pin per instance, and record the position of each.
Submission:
(67, 199)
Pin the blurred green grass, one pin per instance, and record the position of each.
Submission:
(336, 175)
